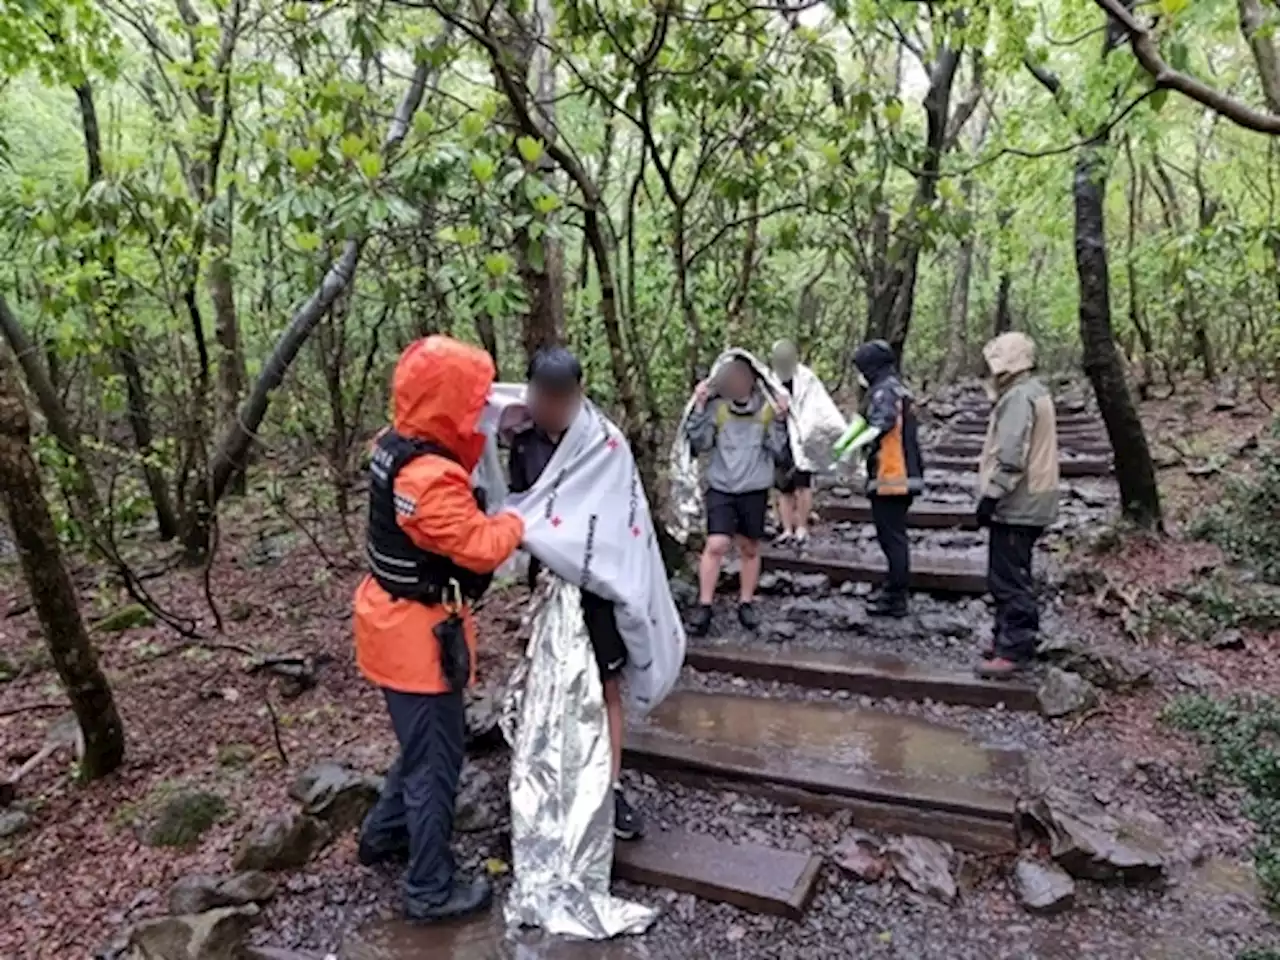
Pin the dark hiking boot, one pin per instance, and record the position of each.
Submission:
(999, 668)
(748, 617)
(371, 855)
(700, 620)
(888, 605)
(627, 824)
(465, 899)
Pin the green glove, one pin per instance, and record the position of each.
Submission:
(857, 426)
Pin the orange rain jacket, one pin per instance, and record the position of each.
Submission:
(439, 392)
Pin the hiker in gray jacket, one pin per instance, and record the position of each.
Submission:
(746, 435)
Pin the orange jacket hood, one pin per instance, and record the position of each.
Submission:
(439, 391)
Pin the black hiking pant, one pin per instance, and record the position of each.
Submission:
(890, 517)
(416, 805)
(1011, 585)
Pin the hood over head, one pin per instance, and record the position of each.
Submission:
(439, 392)
(874, 360)
(785, 358)
(1009, 355)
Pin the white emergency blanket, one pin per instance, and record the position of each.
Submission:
(813, 427)
(587, 520)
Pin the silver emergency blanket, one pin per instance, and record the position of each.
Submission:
(561, 783)
(813, 427)
(587, 520)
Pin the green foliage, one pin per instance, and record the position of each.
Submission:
(1260, 953)
(181, 817)
(1244, 521)
(1243, 734)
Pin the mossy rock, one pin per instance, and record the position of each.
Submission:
(236, 754)
(8, 669)
(184, 817)
(126, 618)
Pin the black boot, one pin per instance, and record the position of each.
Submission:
(464, 899)
(700, 620)
(748, 617)
(627, 824)
(888, 605)
(370, 855)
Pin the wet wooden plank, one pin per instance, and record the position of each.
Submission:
(1078, 467)
(752, 877)
(928, 572)
(877, 675)
(830, 749)
(481, 937)
(1079, 428)
(922, 515)
(961, 448)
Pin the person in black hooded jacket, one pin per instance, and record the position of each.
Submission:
(895, 469)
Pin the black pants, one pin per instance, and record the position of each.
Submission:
(417, 798)
(890, 517)
(1009, 580)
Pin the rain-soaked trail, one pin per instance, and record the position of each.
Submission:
(781, 748)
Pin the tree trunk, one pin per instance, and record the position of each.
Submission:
(734, 323)
(958, 307)
(82, 490)
(1253, 24)
(1135, 307)
(52, 592)
(232, 374)
(1135, 473)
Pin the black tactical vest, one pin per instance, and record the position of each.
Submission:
(402, 568)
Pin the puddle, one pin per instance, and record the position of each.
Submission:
(792, 731)
(480, 938)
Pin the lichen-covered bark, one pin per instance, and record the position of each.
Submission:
(52, 592)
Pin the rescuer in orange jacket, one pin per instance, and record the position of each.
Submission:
(432, 551)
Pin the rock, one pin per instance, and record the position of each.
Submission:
(769, 584)
(1080, 579)
(126, 618)
(1109, 671)
(859, 854)
(1063, 693)
(923, 865)
(684, 593)
(944, 411)
(1197, 677)
(476, 806)
(13, 822)
(183, 818)
(1088, 841)
(483, 713)
(1164, 457)
(811, 584)
(945, 625)
(1228, 640)
(778, 631)
(283, 842)
(198, 893)
(333, 793)
(215, 935)
(1224, 402)
(1043, 888)
(826, 614)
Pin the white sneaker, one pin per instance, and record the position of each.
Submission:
(783, 538)
(801, 537)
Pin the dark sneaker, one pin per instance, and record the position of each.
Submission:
(999, 668)
(466, 898)
(370, 855)
(700, 620)
(748, 617)
(888, 605)
(627, 824)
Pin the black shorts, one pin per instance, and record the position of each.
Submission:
(602, 630)
(740, 514)
(794, 480)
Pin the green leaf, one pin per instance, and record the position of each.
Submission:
(494, 304)
(547, 203)
(304, 159)
(482, 167)
(530, 149)
(832, 153)
(351, 146)
(371, 165)
(308, 241)
(1179, 56)
(497, 264)
(1171, 8)
(893, 112)
(472, 125)
(1158, 99)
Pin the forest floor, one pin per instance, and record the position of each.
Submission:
(197, 720)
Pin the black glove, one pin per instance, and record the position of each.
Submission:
(987, 510)
(482, 498)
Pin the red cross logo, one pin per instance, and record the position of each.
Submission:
(635, 531)
(613, 443)
(556, 521)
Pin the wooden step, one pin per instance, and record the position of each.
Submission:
(1080, 428)
(923, 515)
(1077, 467)
(962, 448)
(751, 877)
(875, 675)
(932, 573)
(481, 937)
(922, 775)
